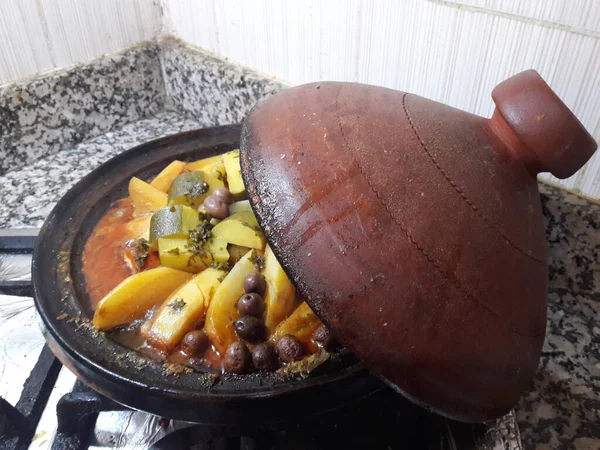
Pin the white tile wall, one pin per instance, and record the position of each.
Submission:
(578, 15)
(39, 35)
(453, 51)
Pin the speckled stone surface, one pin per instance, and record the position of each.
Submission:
(39, 117)
(562, 408)
(208, 88)
(29, 194)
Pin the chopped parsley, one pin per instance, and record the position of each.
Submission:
(177, 304)
(174, 251)
(258, 261)
(198, 239)
(198, 189)
(220, 265)
(140, 252)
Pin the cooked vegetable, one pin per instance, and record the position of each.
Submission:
(240, 229)
(179, 253)
(189, 189)
(255, 282)
(173, 221)
(280, 293)
(195, 343)
(222, 311)
(301, 324)
(243, 205)
(234, 173)
(181, 311)
(163, 180)
(236, 252)
(264, 356)
(205, 164)
(251, 304)
(137, 228)
(145, 198)
(289, 348)
(237, 358)
(135, 295)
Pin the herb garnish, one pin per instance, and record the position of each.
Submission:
(140, 252)
(174, 251)
(220, 265)
(198, 239)
(258, 261)
(177, 304)
(197, 189)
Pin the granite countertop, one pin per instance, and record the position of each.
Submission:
(562, 407)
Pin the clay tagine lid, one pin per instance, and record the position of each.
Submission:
(414, 230)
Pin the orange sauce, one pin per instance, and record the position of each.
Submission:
(104, 264)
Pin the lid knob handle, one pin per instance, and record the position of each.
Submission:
(538, 127)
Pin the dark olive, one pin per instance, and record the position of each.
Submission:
(224, 194)
(264, 356)
(289, 348)
(237, 358)
(216, 207)
(194, 343)
(322, 336)
(255, 282)
(251, 304)
(250, 328)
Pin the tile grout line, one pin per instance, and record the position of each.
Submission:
(516, 17)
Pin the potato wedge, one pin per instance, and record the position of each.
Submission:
(234, 173)
(240, 229)
(138, 227)
(146, 198)
(183, 310)
(222, 310)
(280, 294)
(205, 164)
(175, 252)
(236, 252)
(163, 180)
(302, 323)
(137, 294)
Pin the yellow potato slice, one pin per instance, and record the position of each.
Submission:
(280, 294)
(163, 180)
(146, 198)
(175, 252)
(135, 295)
(137, 228)
(241, 229)
(234, 173)
(222, 310)
(205, 164)
(183, 309)
(302, 323)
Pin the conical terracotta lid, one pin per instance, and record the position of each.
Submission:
(414, 230)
